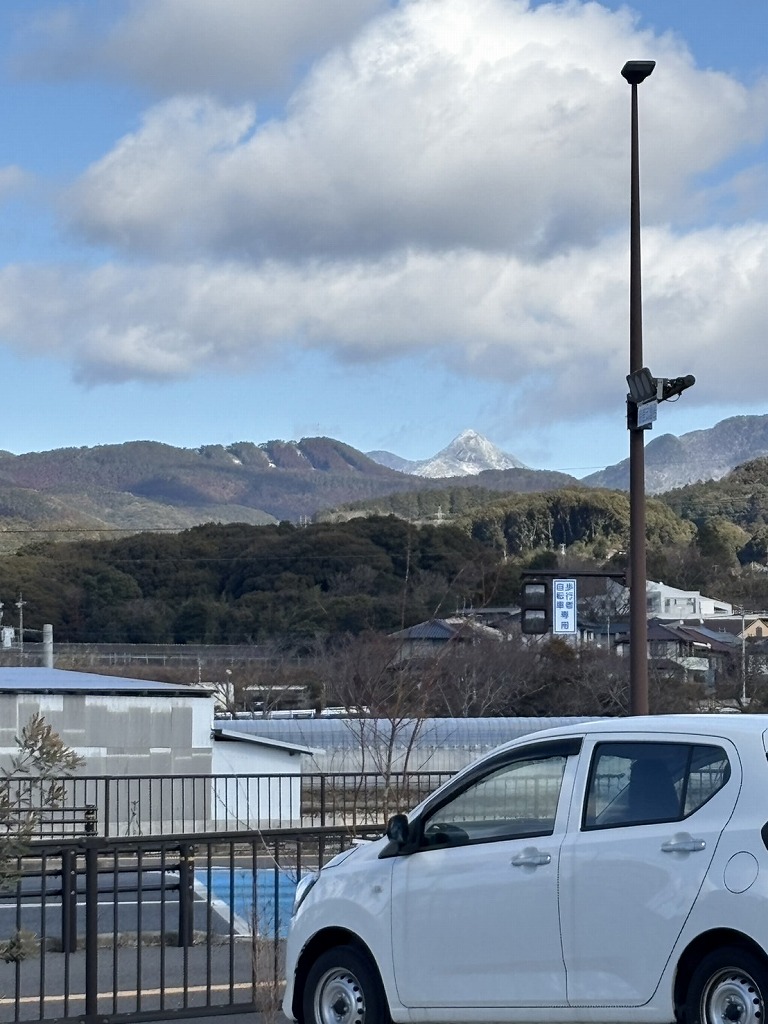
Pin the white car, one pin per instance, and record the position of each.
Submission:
(610, 871)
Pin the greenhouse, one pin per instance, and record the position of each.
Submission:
(355, 744)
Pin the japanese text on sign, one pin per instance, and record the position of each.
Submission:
(564, 606)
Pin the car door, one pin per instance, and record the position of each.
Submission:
(635, 858)
(475, 908)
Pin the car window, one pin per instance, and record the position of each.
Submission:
(709, 771)
(642, 783)
(515, 800)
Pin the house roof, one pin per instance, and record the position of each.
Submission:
(58, 681)
(734, 623)
(238, 736)
(715, 640)
(456, 628)
(660, 631)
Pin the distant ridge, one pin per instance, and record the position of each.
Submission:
(700, 455)
(69, 493)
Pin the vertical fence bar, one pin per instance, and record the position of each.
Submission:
(106, 790)
(232, 868)
(163, 902)
(276, 924)
(186, 895)
(43, 932)
(91, 930)
(115, 928)
(139, 923)
(208, 922)
(17, 963)
(68, 900)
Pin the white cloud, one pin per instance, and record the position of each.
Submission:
(447, 123)
(562, 320)
(454, 181)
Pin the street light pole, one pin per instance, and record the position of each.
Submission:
(635, 72)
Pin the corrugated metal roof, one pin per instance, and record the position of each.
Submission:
(54, 680)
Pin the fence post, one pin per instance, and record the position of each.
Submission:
(107, 785)
(186, 896)
(322, 800)
(91, 930)
(91, 819)
(68, 901)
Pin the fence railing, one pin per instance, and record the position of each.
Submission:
(156, 805)
(98, 929)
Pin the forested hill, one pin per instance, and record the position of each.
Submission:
(239, 584)
(145, 485)
(437, 500)
(739, 500)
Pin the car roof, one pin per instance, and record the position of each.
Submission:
(705, 725)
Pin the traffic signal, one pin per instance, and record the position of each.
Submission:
(643, 386)
(536, 606)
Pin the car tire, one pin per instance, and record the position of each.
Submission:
(343, 987)
(729, 984)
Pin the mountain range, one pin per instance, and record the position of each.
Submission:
(700, 455)
(146, 485)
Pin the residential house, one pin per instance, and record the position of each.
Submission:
(426, 638)
(702, 654)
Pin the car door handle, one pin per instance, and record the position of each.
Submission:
(683, 843)
(530, 857)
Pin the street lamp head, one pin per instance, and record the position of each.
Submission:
(636, 71)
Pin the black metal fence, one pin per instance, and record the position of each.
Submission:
(97, 929)
(157, 805)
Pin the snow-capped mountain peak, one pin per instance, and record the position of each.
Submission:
(467, 455)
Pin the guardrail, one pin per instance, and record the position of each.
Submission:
(102, 930)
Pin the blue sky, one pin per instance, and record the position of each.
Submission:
(377, 221)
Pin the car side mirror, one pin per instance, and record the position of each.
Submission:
(398, 830)
(401, 835)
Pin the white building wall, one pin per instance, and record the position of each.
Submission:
(160, 737)
(271, 801)
(670, 603)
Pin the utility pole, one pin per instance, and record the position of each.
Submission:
(20, 605)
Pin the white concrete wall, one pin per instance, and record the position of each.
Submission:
(271, 802)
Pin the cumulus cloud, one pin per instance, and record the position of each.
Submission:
(232, 47)
(452, 180)
(447, 123)
(562, 320)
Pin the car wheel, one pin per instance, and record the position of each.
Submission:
(344, 987)
(730, 984)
